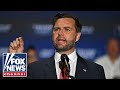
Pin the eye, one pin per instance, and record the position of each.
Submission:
(55, 29)
(67, 29)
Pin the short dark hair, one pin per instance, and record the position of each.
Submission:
(78, 25)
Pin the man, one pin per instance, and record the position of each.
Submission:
(66, 32)
(32, 54)
(111, 60)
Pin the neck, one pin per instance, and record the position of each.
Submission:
(67, 52)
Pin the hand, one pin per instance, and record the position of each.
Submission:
(17, 46)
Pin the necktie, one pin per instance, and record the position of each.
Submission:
(63, 74)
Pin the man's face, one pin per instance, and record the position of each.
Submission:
(113, 47)
(31, 55)
(64, 34)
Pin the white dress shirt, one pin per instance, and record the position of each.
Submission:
(72, 61)
(111, 70)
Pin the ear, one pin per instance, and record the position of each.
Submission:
(78, 36)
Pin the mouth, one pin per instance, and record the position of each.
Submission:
(61, 41)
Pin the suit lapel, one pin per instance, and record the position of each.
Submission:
(81, 68)
(50, 69)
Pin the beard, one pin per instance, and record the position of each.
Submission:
(69, 45)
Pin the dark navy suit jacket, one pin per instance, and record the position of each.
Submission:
(46, 69)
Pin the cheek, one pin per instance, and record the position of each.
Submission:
(54, 36)
(71, 37)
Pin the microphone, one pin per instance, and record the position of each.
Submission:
(62, 66)
(64, 63)
(65, 60)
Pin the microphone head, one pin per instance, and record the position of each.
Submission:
(64, 57)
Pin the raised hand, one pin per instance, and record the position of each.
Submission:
(16, 46)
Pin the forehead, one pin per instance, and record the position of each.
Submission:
(65, 21)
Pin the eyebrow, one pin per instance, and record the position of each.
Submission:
(63, 27)
(68, 27)
(56, 27)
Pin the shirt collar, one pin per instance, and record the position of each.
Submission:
(72, 57)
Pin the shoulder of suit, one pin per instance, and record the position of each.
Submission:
(36, 62)
(95, 67)
(41, 63)
(89, 63)
(34, 65)
(92, 63)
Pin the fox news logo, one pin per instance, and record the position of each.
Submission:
(14, 65)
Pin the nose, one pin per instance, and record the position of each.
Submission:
(60, 32)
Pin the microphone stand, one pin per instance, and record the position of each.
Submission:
(68, 74)
(72, 77)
